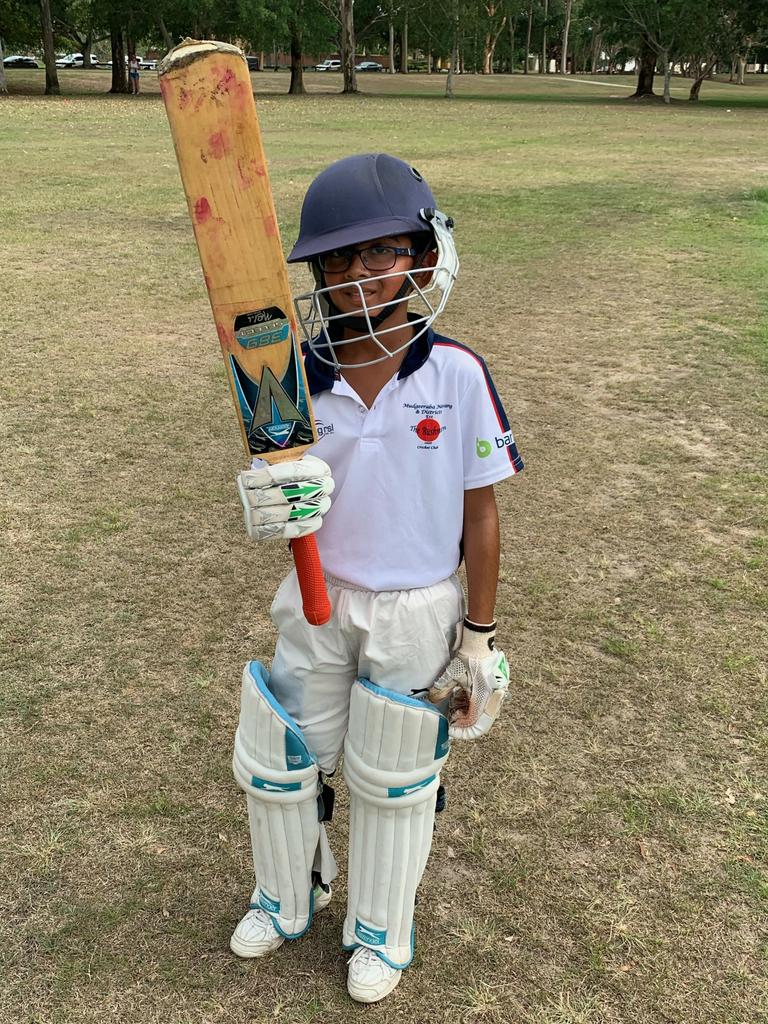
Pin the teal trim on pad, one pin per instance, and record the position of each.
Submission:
(396, 791)
(368, 934)
(274, 787)
(350, 946)
(297, 754)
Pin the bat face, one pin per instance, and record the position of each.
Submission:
(207, 92)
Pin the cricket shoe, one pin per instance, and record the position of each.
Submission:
(256, 934)
(369, 978)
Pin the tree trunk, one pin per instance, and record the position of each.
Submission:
(741, 69)
(119, 74)
(491, 38)
(404, 46)
(566, 31)
(512, 27)
(528, 37)
(544, 69)
(348, 45)
(701, 74)
(167, 39)
(454, 52)
(87, 44)
(296, 88)
(3, 83)
(391, 47)
(595, 54)
(51, 75)
(667, 65)
(646, 71)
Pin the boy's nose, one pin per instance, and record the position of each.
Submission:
(357, 268)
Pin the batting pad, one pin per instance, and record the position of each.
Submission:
(393, 753)
(281, 781)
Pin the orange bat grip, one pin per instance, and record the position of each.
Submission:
(314, 596)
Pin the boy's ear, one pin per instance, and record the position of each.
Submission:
(428, 260)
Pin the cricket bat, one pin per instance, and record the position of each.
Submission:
(208, 98)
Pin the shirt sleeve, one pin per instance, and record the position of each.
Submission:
(490, 451)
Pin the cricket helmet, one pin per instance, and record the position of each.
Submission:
(356, 200)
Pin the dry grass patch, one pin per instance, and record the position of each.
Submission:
(603, 856)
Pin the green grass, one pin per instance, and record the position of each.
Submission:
(603, 856)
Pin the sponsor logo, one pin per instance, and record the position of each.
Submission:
(371, 935)
(483, 448)
(261, 327)
(505, 441)
(323, 428)
(270, 905)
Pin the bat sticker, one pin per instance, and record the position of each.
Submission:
(275, 412)
(263, 327)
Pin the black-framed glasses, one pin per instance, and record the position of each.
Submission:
(373, 257)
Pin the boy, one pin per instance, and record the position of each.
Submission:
(413, 437)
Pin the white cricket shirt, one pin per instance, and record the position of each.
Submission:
(401, 467)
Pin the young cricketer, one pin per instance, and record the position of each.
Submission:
(399, 488)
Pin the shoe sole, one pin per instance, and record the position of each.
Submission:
(369, 997)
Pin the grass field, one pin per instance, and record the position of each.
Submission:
(604, 855)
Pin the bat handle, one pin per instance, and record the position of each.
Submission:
(314, 596)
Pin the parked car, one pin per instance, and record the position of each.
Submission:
(253, 63)
(369, 65)
(328, 65)
(75, 60)
(18, 61)
(147, 63)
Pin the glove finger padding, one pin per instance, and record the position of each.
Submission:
(287, 500)
(475, 692)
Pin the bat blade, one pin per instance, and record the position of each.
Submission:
(206, 89)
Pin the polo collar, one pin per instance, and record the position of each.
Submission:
(321, 376)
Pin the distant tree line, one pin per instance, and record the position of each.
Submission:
(655, 37)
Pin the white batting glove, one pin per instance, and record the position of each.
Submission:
(287, 500)
(475, 683)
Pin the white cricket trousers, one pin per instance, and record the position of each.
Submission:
(399, 639)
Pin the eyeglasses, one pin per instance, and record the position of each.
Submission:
(373, 257)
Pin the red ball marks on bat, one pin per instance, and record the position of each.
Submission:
(223, 334)
(185, 97)
(225, 79)
(258, 168)
(218, 145)
(428, 431)
(244, 177)
(270, 226)
(202, 210)
(165, 89)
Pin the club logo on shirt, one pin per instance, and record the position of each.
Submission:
(428, 430)
(482, 447)
(506, 440)
(323, 428)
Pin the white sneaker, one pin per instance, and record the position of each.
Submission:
(368, 977)
(256, 935)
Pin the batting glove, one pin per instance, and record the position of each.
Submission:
(475, 683)
(287, 500)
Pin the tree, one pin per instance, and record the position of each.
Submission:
(51, 74)
(566, 32)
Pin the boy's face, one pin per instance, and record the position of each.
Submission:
(376, 290)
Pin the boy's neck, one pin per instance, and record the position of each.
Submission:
(369, 380)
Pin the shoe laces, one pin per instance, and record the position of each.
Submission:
(367, 957)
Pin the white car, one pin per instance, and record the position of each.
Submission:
(146, 64)
(75, 60)
(328, 65)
